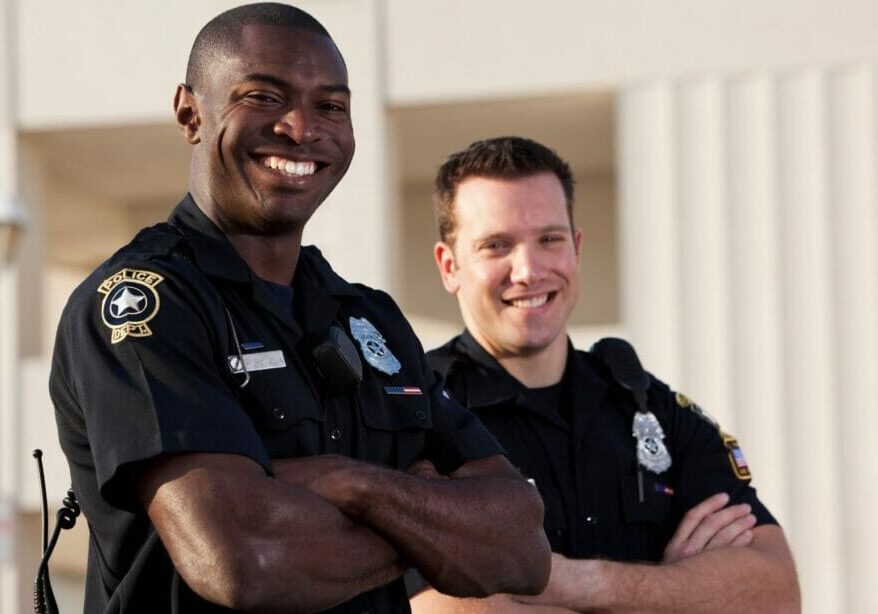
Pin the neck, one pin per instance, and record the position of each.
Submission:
(539, 369)
(272, 258)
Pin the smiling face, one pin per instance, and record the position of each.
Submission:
(514, 265)
(271, 129)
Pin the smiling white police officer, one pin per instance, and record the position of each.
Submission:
(245, 429)
(631, 473)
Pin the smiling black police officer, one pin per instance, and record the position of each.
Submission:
(649, 506)
(245, 429)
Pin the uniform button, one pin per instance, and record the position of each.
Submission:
(591, 520)
(335, 434)
(278, 413)
(420, 415)
(559, 532)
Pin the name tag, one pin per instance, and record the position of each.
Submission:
(257, 361)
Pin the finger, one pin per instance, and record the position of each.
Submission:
(695, 515)
(707, 530)
(743, 539)
(732, 531)
(721, 523)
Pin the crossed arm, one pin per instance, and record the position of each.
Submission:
(328, 528)
(715, 562)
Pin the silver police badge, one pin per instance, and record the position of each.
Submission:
(372, 344)
(651, 450)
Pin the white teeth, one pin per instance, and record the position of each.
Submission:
(531, 303)
(289, 167)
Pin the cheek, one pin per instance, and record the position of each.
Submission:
(486, 278)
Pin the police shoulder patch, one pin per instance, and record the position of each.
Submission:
(130, 301)
(736, 458)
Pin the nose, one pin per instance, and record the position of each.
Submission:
(527, 266)
(297, 125)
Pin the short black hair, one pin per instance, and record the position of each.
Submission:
(505, 157)
(224, 30)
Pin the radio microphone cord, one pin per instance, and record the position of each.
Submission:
(44, 598)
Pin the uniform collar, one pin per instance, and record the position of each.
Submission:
(490, 384)
(214, 254)
(211, 250)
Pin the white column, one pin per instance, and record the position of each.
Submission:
(754, 298)
(358, 226)
(9, 449)
(811, 410)
(704, 297)
(855, 274)
(648, 228)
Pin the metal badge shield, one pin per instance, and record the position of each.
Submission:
(130, 301)
(651, 450)
(373, 346)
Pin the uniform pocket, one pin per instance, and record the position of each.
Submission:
(396, 425)
(657, 504)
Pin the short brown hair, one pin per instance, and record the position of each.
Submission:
(506, 157)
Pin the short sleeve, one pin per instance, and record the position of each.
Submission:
(458, 436)
(137, 359)
(709, 460)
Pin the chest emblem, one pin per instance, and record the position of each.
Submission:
(372, 344)
(130, 301)
(651, 450)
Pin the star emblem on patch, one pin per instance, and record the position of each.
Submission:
(130, 302)
(127, 300)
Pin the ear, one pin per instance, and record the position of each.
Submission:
(577, 241)
(444, 256)
(187, 114)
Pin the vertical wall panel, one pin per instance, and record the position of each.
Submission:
(648, 226)
(755, 336)
(855, 292)
(749, 238)
(811, 421)
(704, 325)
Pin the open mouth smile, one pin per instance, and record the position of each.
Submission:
(292, 168)
(531, 302)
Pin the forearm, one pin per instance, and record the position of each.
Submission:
(473, 535)
(250, 542)
(432, 601)
(760, 577)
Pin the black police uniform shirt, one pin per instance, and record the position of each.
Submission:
(582, 456)
(173, 345)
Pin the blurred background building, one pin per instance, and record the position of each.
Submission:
(725, 154)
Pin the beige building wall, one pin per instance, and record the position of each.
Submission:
(725, 153)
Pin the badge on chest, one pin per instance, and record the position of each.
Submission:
(652, 453)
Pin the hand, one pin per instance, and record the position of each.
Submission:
(711, 525)
(425, 469)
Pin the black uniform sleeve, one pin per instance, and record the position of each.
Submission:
(458, 436)
(707, 460)
(146, 378)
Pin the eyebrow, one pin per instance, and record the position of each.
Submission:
(541, 230)
(277, 82)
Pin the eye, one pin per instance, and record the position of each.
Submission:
(333, 108)
(262, 98)
(494, 246)
(553, 238)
